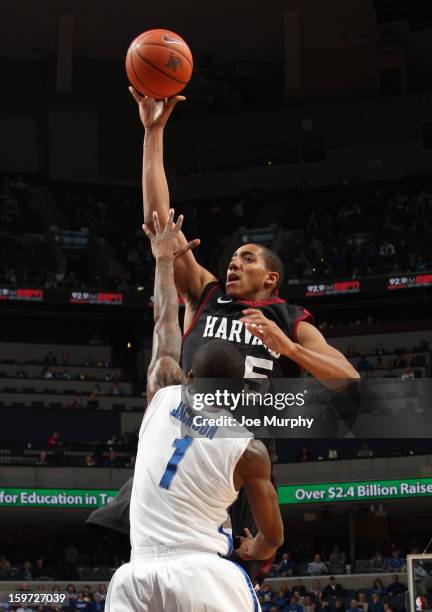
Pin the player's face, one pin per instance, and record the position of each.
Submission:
(247, 274)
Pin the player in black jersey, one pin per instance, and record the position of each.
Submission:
(275, 337)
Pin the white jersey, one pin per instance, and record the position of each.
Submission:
(183, 485)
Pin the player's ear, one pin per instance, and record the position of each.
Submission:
(272, 280)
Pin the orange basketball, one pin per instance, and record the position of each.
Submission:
(159, 63)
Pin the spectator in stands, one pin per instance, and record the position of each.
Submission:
(71, 558)
(40, 572)
(25, 572)
(378, 562)
(333, 589)
(266, 592)
(305, 455)
(111, 461)
(294, 606)
(66, 358)
(111, 377)
(280, 600)
(362, 602)
(364, 451)
(364, 365)
(116, 390)
(376, 605)
(395, 587)
(387, 607)
(77, 404)
(43, 458)
(309, 605)
(80, 603)
(339, 605)
(6, 571)
(54, 440)
(316, 591)
(98, 603)
(378, 587)
(90, 461)
(380, 351)
(408, 374)
(300, 598)
(92, 402)
(102, 590)
(131, 462)
(317, 567)
(337, 557)
(300, 587)
(8, 359)
(286, 566)
(113, 441)
(399, 363)
(351, 351)
(72, 591)
(354, 607)
(396, 562)
(48, 374)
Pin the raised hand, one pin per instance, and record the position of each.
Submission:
(164, 241)
(154, 113)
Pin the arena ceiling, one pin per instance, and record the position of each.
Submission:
(225, 29)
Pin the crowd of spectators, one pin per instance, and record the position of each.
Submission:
(335, 562)
(356, 231)
(333, 597)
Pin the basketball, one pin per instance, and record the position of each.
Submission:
(159, 64)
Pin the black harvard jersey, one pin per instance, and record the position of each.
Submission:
(218, 316)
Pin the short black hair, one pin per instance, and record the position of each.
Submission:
(273, 263)
(218, 359)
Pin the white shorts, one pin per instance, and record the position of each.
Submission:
(177, 579)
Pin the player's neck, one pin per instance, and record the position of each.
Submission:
(256, 296)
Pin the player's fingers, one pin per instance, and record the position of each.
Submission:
(173, 101)
(252, 311)
(135, 94)
(178, 225)
(169, 221)
(156, 222)
(147, 231)
(191, 245)
(247, 533)
(251, 319)
(255, 330)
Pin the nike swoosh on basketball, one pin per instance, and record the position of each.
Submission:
(174, 41)
(221, 301)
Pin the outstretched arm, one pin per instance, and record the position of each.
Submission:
(253, 473)
(164, 369)
(190, 277)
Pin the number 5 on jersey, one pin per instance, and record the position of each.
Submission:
(181, 445)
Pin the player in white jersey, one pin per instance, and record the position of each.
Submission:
(186, 477)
